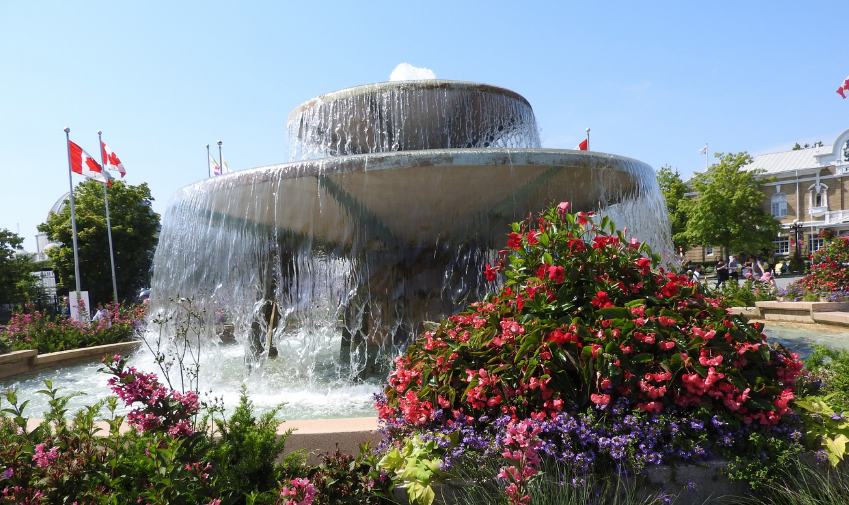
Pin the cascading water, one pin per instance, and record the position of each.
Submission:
(397, 195)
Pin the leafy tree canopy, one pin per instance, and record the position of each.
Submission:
(728, 210)
(134, 238)
(673, 189)
(17, 284)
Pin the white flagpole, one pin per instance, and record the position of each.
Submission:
(220, 159)
(707, 155)
(208, 168)
(73, 213)
(588, 139)
(108, 222)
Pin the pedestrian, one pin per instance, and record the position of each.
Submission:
(733, 269)
(697, 274)
(721, 273)
(747, 269)
(101, 315)
(758, 269)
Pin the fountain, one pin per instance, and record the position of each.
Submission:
(394, 197)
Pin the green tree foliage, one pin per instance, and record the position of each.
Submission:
(728, 210)
(134, 238)
(798, 147)
(673, 189)
(17, 284)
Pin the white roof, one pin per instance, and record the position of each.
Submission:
(789, 161)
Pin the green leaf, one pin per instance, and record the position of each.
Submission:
(614, 313)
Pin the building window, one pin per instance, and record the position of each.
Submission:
(779, 205)
(816, 244)
(818, 200)
(782, 245)
(708, 250)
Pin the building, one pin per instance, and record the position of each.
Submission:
(808, 195)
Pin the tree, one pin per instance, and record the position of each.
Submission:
(797, 147)
(728, 210)
(673, 189)
(17, 284)
(134, 238)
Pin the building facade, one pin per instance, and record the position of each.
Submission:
(808, 195)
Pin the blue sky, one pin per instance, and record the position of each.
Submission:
(653, 80)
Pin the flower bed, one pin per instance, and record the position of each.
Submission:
(594, 357)
(829, 272)
(35, 330)
(589, 361)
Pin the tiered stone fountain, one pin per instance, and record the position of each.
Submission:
(395, 196)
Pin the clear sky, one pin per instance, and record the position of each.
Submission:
(653, 80)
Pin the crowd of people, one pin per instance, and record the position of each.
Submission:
(751, 268)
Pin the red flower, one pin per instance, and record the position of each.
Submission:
(601, 300)
(557, 274)
(491, 273)
(514, 241)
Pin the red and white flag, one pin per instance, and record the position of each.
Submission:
(583, 146)
(82, 163)
(112, 161)
(844, 88)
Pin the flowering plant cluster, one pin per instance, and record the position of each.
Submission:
(162, 409)
(614, 359)
(585, 316)
(302, 492)
(829, 268)
(32, 329)
(520, 452)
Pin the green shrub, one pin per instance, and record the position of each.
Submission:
(244, 455)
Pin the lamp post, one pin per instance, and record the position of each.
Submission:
(796, 227)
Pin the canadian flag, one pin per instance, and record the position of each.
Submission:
(83, 164)
(843, 88)
(112, 161)
(583, 145)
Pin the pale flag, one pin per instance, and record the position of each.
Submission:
(112, 161)
(703, 150)
(82, 163)
(224, 168)
(214, 169)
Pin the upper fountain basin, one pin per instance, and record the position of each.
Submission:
(413, 197)
(409, 116)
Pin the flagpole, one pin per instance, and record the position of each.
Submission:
(207, 161)
(220, 159)
(707, 156)
(588, 139)
(108, 222)
(73, 213)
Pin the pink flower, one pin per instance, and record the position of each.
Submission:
(563, 208)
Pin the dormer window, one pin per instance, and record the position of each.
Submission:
(818, 200)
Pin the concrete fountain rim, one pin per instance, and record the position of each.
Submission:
(487, 156)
